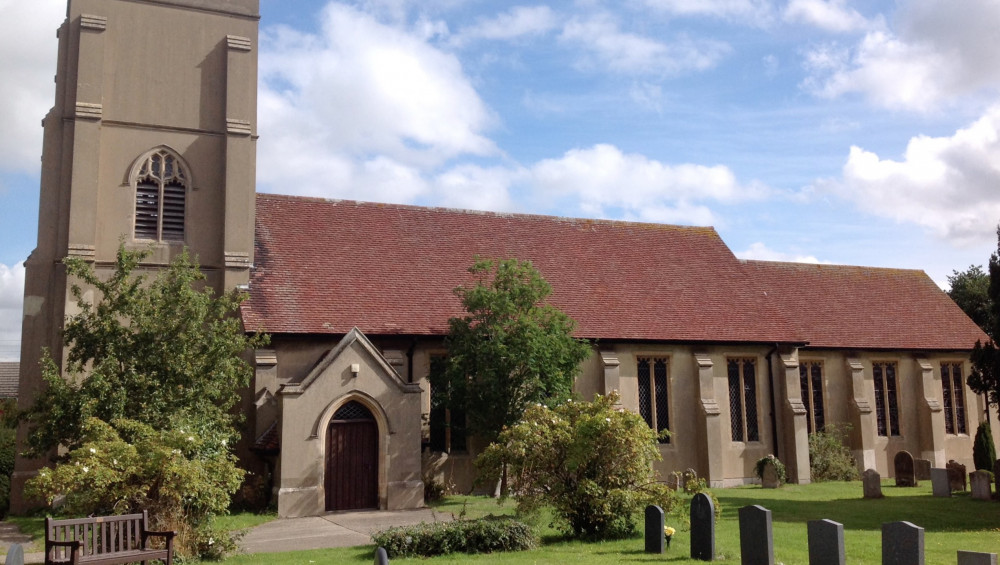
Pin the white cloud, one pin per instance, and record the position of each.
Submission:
(11, 300)
(519, 21)
(603, 178)
(757, 12)
(360, 107)
(27, 41)
(830, 15)
(760, 252)
(610, 48)
(946, 184)
(938, 52)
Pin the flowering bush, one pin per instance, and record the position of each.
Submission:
(592, 463)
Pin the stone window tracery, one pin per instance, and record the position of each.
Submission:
(161, 181)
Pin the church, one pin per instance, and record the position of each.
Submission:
(152, 141)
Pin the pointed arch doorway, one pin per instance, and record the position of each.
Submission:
(352, 459)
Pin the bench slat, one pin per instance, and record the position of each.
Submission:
(103, 540)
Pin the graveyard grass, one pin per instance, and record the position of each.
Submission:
(950, 524)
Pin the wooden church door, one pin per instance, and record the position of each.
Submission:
(352, 459)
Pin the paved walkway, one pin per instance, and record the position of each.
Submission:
(340, 529)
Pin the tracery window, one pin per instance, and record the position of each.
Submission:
(447, 417)
(653, 401)
(954, 399)
(811, 382)
(743, 399)
(161, 184)
(886, 401)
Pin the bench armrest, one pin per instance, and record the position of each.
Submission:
(67, 543)
(167, 534)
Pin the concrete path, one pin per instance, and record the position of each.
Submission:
(341, 529)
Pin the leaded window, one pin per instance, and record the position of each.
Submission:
(160, 197)
(743, 399)
(886, 401)
(954, 399)
(811, 382)
(447, 416)
(654, 406)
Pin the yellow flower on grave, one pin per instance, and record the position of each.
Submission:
(668, 531)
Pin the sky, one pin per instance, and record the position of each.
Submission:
(834, 131)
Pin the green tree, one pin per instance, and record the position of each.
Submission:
(510, 350)
(970, 289)
(591, 462)
(985, 375)
(149, 360)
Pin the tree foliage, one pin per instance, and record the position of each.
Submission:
(142, 414)
(510, 350)
(589, 461)
(984, 453)
(985, 375)
(970, 289)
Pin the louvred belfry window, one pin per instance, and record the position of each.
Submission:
(160, 197)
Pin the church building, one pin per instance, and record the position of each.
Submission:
(152, 140)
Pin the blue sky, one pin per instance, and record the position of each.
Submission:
(803, 130)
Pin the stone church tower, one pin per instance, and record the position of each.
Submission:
(151, 142)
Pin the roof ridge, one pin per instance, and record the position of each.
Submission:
(834, 266)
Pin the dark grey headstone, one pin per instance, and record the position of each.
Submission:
(872, 483)
(654, 529)
(922, 469)
(902, 544)
(702, 527)
(15, 555)
(756, 540)
(940, 485)
(826, 543)
(381, 557)
(956, 475)
(903, 466)
(976, 558)
(980, 484)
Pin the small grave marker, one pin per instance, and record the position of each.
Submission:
(902, 544)
(381, 557)
(903, 465)
(15, 555)
(654, 529)
(922, 469)
(756, 539)
(956, 475)
(769, 475)
(980, 482)
(976, 558)
(702, 527)
(940, 485)
(826, 543)
(872, 483)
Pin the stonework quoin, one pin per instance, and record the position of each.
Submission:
(940, 485)
(872, 483)
(902, 544)
(922, 469)
(702, 528)
(980, 482)
(903, 466)
(756, 538)
(956, 475)
(826, 543)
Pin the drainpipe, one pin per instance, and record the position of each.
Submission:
(770, 386)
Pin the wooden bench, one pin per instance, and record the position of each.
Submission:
(104, 540)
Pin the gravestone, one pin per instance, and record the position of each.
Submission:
(980, 484)
(996, 475)
(956, 475)
(756, 539)
(872, 482)
(976, 558)
(769, 475)
(381, 557)
(15, 555)
(922, 469)
(826, 543)
(688, 476)
(654, 529)
(940, 485)
(903, 465)
(902, 544)
(702, 528)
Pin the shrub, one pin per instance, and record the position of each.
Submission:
(592, 463)
(484, 535)
(829, 458)
(984, 453)
(779, 468)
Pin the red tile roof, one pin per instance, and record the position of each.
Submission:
(866, 307)
(9, 379)
(326, 266)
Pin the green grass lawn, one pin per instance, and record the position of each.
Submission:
(950, 524)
